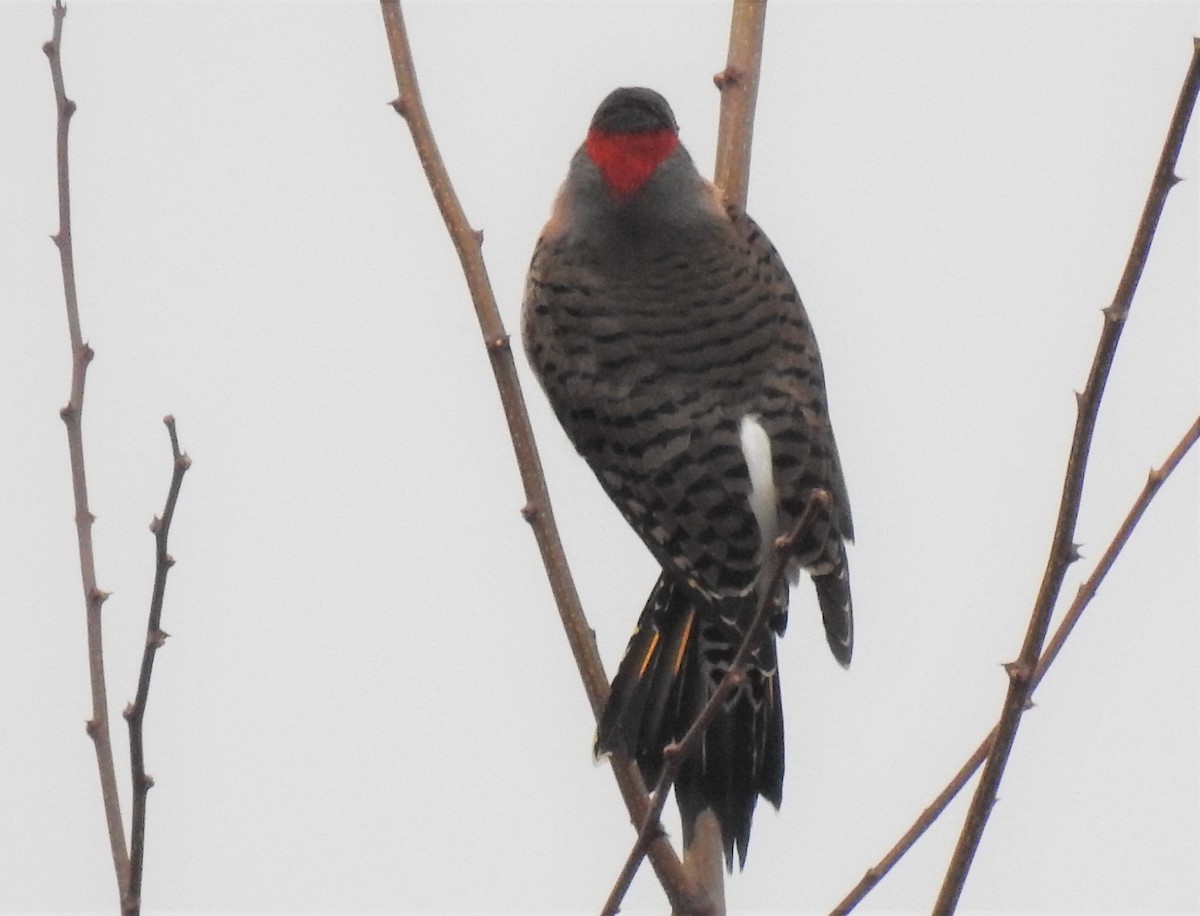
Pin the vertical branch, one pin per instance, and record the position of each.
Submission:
(135, 712)
(1063, 550)
(72, 415)
(738, 84)
(675, 879)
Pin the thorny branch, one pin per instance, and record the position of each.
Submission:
(1083, 597)
(135, 712)
(675, 754)
(128, 868)
(72, 415)
(680, 888)
(1063, 550)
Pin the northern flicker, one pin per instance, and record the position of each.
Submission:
(676, 353)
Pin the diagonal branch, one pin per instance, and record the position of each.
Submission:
(1063, 550)
(1083, 597)
(72, 415)
(675, 754)
(135, 712)
(678, 884)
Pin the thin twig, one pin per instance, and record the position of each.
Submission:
(1087, 590)
(1083, 597)
(676, 753)
(1063, 550)
(72, 415)
(135, 712)
(738, 84)
(679, 887)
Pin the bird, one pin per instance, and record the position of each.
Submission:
(673, 347)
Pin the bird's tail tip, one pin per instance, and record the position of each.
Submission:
(837, 609)
(674, 660)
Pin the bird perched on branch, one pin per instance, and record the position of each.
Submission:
(674, 349)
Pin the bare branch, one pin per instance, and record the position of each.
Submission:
(72, 415)
(678, 885)
(738, 84)
(675, 754)
(704, 858)
(466, 241)
(1062, 549)
(1087, 590)
(135, 712)
(1083, 597)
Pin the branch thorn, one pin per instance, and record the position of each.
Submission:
(727, 78)
(1017, 671)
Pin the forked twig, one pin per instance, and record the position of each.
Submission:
(135, 712)
(72, 415)
(1063, 550)
(679, 886)
(1083, 597)
(675, 754)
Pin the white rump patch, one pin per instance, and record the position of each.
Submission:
(764, 502)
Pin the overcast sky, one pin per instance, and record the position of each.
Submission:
(367, 701)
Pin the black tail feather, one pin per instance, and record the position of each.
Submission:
(837, 610)
(676, 657)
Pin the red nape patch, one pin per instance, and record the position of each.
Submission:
(628, 160)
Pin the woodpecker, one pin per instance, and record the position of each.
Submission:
(675, 351)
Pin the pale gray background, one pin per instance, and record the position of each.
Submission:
(367, 702)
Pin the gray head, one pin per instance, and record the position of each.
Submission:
(634, 111)
(632, 183)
